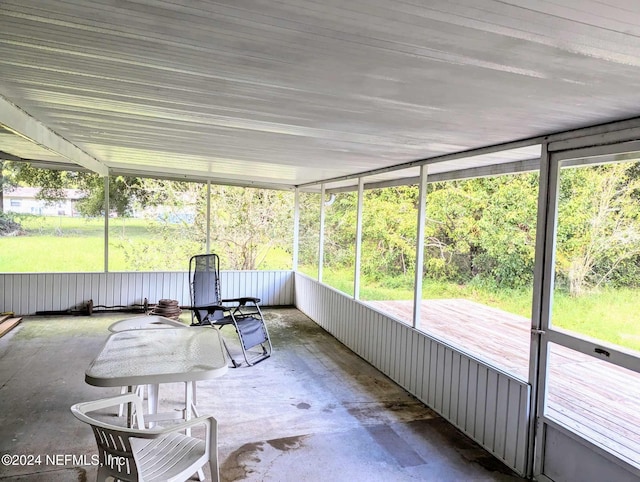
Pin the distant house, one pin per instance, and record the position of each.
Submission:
(23, 200)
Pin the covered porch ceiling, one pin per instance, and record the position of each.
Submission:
(294, 92)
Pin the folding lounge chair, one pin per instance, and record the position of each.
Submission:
(208, 308)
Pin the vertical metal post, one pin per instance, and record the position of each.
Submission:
(356, 278)
(321, 243)
(422, 208)
(540, 261)
(296, 228)
(208, 228)
(106, 224)
(541, 302)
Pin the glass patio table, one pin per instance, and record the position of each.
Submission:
(159, 355)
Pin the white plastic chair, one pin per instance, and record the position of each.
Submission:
(161, 454)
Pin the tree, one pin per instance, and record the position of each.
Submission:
(598, 224)
(508, 230)
(1, 186)
(451, 230)
(482, 229)
(8, 224)
(389, 228)
(309, 232)
(170, 235)
(7, 180)
(340, 230)
(124, 192)
(246, 223)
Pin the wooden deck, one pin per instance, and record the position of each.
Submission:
(595, 399)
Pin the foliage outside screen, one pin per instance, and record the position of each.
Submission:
(480, 231)
(479, 238)
(154, 225)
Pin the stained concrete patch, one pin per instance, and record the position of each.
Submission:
(395, 446)
(238, 464)
(437, 435)
(348, 455)
(287, 443)
(70, 474)
(248, 462)
(329, 408)
(387, 412)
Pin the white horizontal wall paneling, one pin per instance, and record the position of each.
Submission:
(226, 284)
(17, 287)
(416, 363)
(462, 391)
(77, 290)
(4, 287)
(490, 408)
(285, 286)
(14, 286)
(488, 405)
(169, 286)
(54, 284)
(136, 285)
(26, 294)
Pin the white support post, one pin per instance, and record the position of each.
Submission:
(208, 231)
(422, 209)
(321, 242)
(296, 228)
(106, 224)
(541, 304)
(356, 278)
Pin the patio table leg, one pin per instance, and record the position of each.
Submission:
(189, 408)
(188, 400)
(130, 409)
(152, 401)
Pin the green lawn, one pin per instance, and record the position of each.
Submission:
(66, 244)
(610, 315)
(27, 254)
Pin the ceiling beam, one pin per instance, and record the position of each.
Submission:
(19, 122)
(515, 167)
(168, 175)
(433, 160)
(607, 133)
(198, 178)
(50, 165)
(5, 156)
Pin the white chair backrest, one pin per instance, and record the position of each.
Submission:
(165, 454)
(114, 449)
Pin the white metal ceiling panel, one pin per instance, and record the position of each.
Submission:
(298, 91)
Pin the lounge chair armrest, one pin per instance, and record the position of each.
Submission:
(243, 300)
(208, 308)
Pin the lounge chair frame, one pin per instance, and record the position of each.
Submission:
(244, 313)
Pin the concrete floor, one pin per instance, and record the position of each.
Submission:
(314, 411)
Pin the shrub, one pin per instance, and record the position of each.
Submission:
(8, 226)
